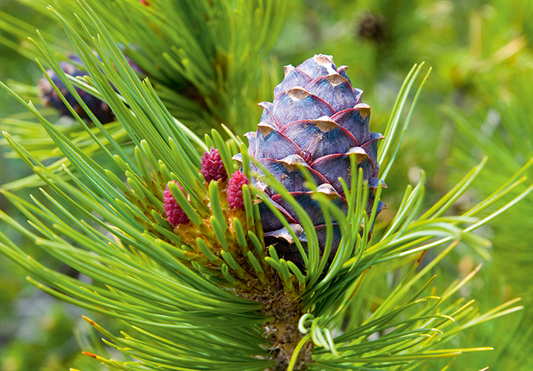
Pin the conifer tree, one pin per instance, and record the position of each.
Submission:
(172, 227)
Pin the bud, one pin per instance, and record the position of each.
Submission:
(174, 212)
(213, 167)
(235, 197)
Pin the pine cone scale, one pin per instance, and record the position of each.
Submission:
(298, 104)
(355, 121)
(319, 138)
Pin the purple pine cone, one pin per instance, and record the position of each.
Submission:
(316, 121)
(51, 99)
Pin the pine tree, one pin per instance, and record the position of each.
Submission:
(171, 226)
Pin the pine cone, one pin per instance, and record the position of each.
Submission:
(316, 121)
(51, 99)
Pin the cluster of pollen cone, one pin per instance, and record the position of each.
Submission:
(316, 122)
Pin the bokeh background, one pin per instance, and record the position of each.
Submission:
(477, 102)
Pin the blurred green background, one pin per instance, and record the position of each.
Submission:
(477, 102)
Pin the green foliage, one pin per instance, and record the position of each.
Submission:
(158, 283)
(503, 133)
(200, 55)
(102, 201)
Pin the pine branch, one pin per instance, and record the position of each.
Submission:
(185, 261)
